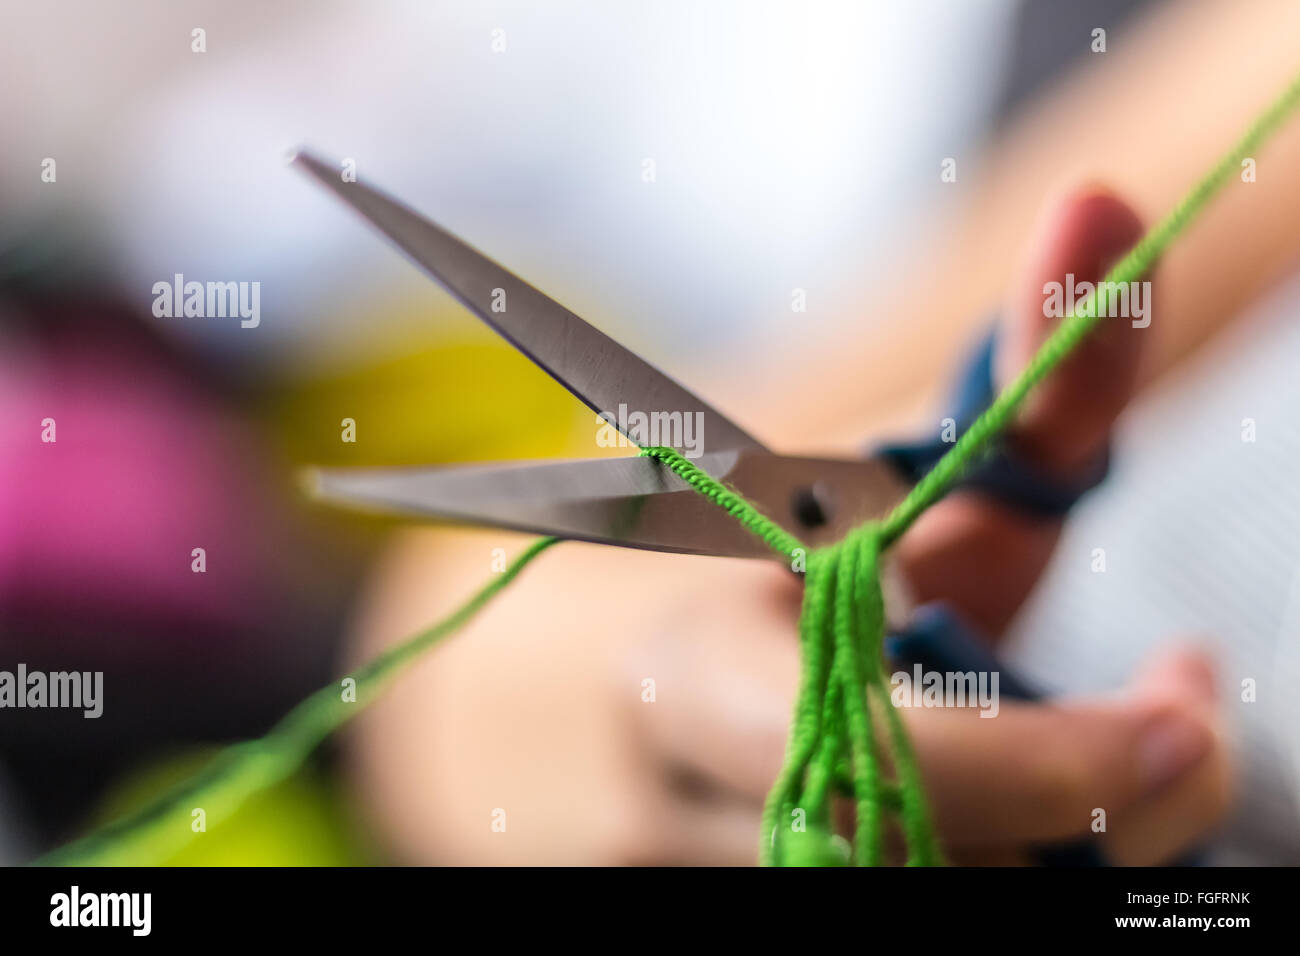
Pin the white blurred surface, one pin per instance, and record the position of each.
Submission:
(791, 143)
(1202, 538)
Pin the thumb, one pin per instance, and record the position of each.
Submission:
(1171, 818)
(1040, 772)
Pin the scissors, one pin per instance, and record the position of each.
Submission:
(637, 502)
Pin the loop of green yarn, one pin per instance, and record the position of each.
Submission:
(843, 718)
(843, 694)
(844, 722)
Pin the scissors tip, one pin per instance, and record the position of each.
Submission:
(304, 158)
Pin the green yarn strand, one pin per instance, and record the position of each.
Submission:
(1071, 331)
(161, 828)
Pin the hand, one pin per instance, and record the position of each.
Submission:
(624, 707)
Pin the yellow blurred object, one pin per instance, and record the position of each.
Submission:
(300, 822)
(465, 400)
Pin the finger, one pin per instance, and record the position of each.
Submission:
(1065, 423)
(1165, 827)
(723, 674)
(1040, 772)
(983, 557)
(691, 831)
(1161, 828)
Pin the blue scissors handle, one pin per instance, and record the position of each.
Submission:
(1001, 474)
(938, 641)
(936, 638)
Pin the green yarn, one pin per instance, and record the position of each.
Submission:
(814, 846)
(846, 737)
(1066, 336)
(730, 501)
(842, 714)
(156, 831)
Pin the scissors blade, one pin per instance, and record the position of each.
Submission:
(631, 502)
(603, 374)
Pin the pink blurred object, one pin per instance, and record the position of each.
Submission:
(100, 524)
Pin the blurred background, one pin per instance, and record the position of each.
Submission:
(671, 172)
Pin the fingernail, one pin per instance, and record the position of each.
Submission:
(1169, 747)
